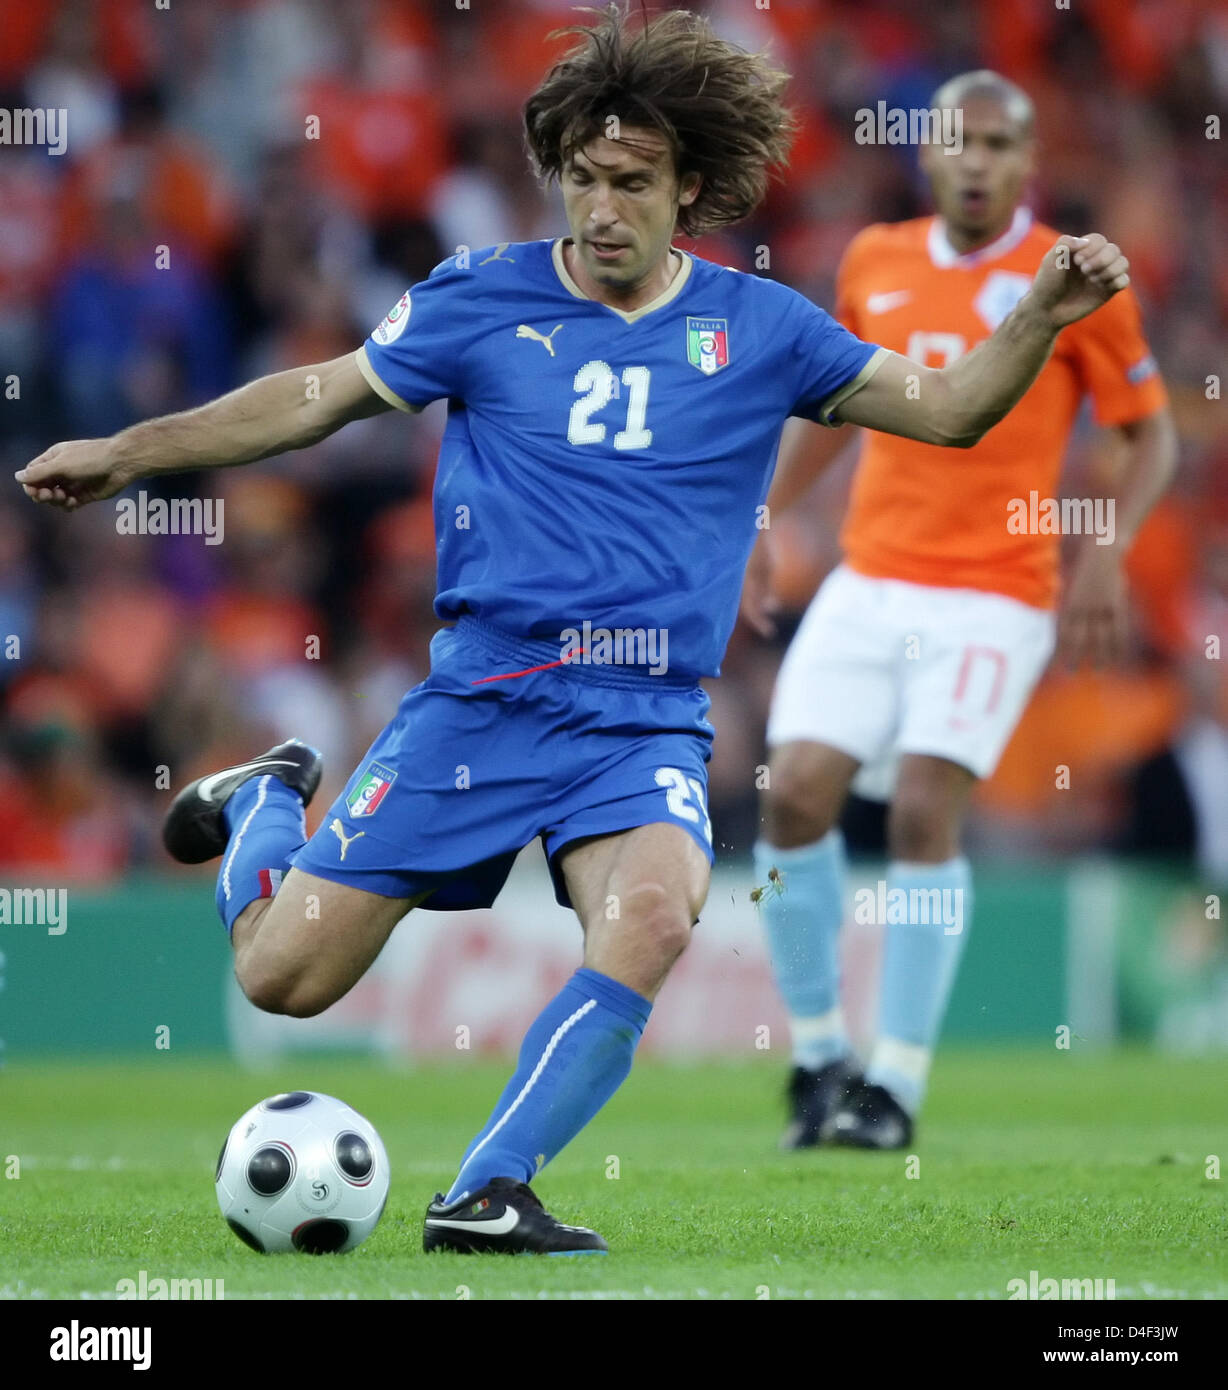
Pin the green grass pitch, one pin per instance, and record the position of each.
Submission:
(1092, 1166)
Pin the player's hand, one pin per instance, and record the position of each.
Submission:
(759, 603)
(71, 474)
(1092, 624)
(1077, 276)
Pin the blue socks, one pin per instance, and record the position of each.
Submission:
(802, 924)
(267, 824)
(920, 960)
(574, 1057)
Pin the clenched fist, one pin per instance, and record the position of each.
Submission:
(1077, 276)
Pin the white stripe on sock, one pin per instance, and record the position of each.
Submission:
(238, 839)
(559, 1034)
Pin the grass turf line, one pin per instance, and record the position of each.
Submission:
(1076, 1166)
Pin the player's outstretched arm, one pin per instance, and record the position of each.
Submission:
(956, 405)
(288, 410)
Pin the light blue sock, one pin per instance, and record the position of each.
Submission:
(929, 910)
(267, 823)
(802, 923)
(574, 1057)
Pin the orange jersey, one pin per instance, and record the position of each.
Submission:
(930, 515)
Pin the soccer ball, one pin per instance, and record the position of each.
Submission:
(302, 1171)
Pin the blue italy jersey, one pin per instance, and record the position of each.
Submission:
(600, 470)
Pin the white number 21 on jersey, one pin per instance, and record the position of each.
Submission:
(600, 385)
(684, 796)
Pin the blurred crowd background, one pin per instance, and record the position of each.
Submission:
(130, 664)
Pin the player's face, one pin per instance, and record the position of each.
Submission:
(977, 190)
(621, 198)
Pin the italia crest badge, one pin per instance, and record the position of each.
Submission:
(707, 344)
(370, 790)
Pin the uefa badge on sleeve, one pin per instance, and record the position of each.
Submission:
(370, 790)
(393, 324)
(707, 344)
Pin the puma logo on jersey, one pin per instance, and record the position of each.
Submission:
(524, 331)
(892, 299)
(346, 840)
(499, 256)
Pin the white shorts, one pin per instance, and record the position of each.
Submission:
(880, 667)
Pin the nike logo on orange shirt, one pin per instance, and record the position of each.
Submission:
(891, 299)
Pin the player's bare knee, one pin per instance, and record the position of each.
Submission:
(265, 990)
(247, 923)
(794, 812)
(306, 999)
(283, 992)
(293, 999)
(266, 993)
(917, 831)
(660, 918)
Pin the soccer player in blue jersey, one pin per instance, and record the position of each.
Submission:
(615, 407)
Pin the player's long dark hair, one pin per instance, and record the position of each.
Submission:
(718, 106)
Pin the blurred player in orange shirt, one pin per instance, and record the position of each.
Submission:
(920, 651)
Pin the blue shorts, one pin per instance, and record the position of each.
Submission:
(467, 774)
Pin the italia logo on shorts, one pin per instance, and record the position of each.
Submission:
(370, 790)
(707, 344)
